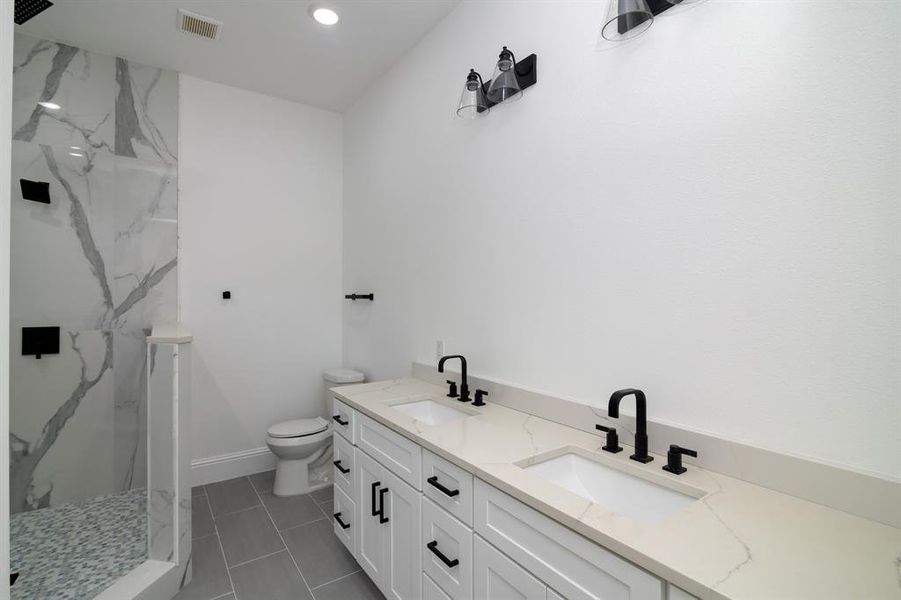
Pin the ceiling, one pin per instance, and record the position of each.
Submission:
(269, 46)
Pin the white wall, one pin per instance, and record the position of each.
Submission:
(710, 214)
(259, 215)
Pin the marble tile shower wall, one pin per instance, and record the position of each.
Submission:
(98, 261)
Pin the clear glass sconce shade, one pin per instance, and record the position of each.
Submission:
(504, 85)
(472, 100)
(627, 19)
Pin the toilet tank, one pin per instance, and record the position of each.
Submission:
(336, 378)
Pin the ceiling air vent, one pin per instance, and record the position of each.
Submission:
(196, 24)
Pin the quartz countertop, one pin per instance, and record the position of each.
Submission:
(738, 540)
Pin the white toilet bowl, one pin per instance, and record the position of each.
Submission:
(296, 444)
(300, 443)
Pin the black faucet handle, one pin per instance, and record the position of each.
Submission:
(612, 444)
(478, 401)
(681, 450)
(674, 459)
(452, 392)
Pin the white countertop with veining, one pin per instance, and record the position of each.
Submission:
(738, 540)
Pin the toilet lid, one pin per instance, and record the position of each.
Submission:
(298, 428)
(342, 376)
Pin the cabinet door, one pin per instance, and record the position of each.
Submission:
(404, 565)
(372, 534)
(499, 578)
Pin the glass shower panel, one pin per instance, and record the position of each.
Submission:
(93, 254)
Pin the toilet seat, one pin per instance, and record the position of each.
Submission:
(298, 428)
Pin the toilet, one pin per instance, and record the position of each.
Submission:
(300, 442)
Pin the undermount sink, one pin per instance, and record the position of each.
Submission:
(641, 500)
(430, 412)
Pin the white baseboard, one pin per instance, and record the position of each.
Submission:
(229, 466)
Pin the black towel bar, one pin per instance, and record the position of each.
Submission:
(356, 296)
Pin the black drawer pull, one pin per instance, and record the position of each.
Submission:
(382, 517)
(340, 522)
(339, 421)
(433, 546)
(434, 482)
(337, 463)
(375, 486)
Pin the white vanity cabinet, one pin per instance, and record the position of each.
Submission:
(422, 527)
(564, 560)
(343, 418)
(446, 547)
(388, 511)
(499, 578)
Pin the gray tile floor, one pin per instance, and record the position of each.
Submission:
(252, 545)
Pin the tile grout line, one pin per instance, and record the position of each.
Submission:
(221, 549)
(322, 585)
(282, 538)
(293, 527)
(241, 564)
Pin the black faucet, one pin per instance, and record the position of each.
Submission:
(641, 419)
(674, 459)
(612, 444)
(464, 385)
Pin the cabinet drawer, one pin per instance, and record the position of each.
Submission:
(390, 449)
(446, 551)
(448, 485)
(574, 566)
(343, 418)
(343, 462)
(497, 577)
(431, 591)
(345, 520)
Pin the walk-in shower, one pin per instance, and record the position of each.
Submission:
(93, 257)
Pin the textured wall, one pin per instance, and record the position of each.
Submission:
(710, 213)
(98, 261)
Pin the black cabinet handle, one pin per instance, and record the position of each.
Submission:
(375, 486)
(340, 522)
(337, 419)
(382, 517)
(433, 546)
(337, 463)
(433, 481)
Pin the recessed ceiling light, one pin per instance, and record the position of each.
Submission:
(323, 15)
(79, 154)
(49, 105)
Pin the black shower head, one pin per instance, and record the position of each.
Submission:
(25, 9)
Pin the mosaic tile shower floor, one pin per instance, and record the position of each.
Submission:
(74, 551)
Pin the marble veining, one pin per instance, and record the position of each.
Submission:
(99, 261)
(738, 540)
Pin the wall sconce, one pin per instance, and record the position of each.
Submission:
(509, 80)
(627, 19)
(472, 101)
